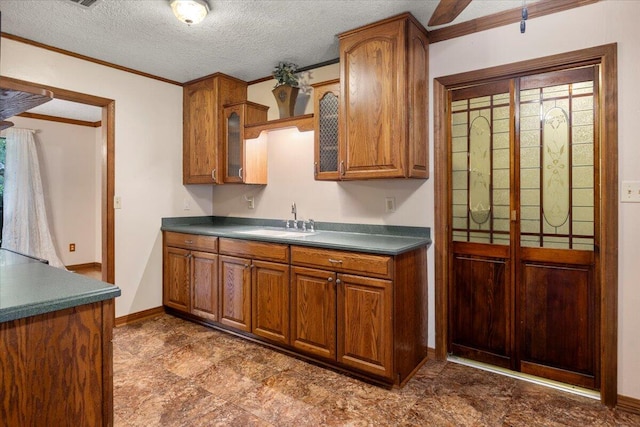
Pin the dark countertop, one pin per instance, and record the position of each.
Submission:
(29, 287)
(380, 239)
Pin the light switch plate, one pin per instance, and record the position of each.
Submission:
(630, 192)
(117, 202)
(390, 204)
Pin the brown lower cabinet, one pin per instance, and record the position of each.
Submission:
(190, 274)
(364, 313)
(354, 309)
(56, 368)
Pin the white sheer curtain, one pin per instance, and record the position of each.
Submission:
(25, 228)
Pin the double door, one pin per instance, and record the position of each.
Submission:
(343, 317)
(523, 225)
(254, 292)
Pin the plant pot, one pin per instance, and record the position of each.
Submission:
(286, 98)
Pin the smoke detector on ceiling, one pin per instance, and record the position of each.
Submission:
(85, 3)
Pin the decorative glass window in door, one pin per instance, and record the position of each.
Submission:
(556, 166)
(480, 138)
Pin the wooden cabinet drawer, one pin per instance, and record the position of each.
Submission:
(191, 241)
(342, 261)
(252, 249)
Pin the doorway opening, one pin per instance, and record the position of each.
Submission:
(108, 163)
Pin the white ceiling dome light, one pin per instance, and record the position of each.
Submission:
(190, 11)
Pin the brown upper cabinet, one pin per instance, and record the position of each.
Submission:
(326, 103)
(203, 130)
(383, 126)
(245, 160)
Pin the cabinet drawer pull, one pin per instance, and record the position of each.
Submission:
(335, 261)
(213, 175)
(189, 242)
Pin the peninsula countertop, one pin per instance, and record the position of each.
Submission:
(29, 287)
(381, 239)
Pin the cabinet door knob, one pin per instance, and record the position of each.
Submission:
(330, 279)
(246, 266)
(338, 281)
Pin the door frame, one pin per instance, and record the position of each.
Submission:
(606, 265)
(108, 162)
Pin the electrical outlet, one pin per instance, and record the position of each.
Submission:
(390, 204)
(72, 247)
(117, 202)
(630, 192)
(250, 202)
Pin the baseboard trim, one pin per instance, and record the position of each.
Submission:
(629, 404)
(86, 265)
(139, 316)
(431, 353)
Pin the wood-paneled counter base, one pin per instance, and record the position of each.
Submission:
(56, 368)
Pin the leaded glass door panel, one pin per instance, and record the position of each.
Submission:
(480, 296)
(557, 306)
(524, 216)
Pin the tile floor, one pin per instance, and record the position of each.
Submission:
(170, 372)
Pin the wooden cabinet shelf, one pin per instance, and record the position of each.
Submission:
(303, 123)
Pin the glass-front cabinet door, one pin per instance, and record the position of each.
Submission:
(245, 160)
(326, 102)
(234, 146)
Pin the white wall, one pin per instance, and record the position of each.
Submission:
(68, 164)
(148, 160)
(261, 92)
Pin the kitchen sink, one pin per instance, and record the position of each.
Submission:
(269, 232)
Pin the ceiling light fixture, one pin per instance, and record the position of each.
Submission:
(190, 11)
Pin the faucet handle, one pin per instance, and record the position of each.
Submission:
(286, 223)
(312, 225)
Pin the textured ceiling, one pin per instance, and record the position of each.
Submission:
(242, 38)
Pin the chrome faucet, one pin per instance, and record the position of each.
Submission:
(294, 211)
